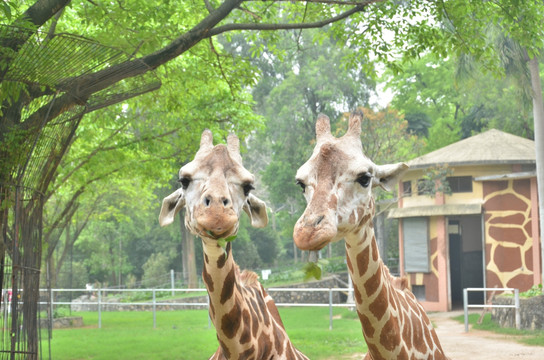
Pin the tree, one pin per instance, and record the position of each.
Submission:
(155, 270)
(447, 104)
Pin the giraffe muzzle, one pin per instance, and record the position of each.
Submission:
(313, 233)
(216, 221)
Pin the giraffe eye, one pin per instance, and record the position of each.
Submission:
(302, 185)
(185, 181)
(247, 188)
(364, 179)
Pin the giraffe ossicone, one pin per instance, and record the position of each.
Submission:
(337, 182)
(215, 190)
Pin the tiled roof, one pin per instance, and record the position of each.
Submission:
(490, 147)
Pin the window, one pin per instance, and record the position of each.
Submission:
(416, 244)
(407, 188)
(419, 292)
(459, 184)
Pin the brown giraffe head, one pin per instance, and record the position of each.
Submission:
(337, 182)
(215, 188)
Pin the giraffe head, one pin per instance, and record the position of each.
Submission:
(215, 188)
(337, 182)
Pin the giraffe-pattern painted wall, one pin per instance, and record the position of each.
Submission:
(508, 233)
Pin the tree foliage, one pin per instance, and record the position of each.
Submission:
(444, 103)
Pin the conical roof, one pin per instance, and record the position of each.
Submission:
(490, 147)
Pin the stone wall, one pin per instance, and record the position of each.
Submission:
(312, 297)
(531, 312)
(84, 303)
(114, 303)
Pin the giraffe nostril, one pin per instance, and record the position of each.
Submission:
(207, 201)
(319, 219)
(226, 202)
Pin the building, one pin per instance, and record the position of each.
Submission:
(482, 232)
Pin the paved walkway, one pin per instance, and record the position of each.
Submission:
(479, 345)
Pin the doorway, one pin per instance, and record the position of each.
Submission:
(465, 258)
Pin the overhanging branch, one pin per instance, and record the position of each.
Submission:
(360, 6)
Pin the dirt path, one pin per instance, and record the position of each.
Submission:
(474, 345)
(479, 345)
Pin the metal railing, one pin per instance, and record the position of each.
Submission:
(101, 304)
(515, 306)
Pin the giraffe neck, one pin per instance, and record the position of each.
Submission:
(375, 305)
(246, 319)
(220, 275)
(394, 324)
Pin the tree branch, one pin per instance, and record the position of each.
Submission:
(223, 74)
(361, 6)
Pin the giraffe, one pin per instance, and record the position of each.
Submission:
(215, 188)
(337, 183)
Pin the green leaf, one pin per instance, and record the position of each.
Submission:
(312, 270)
(223, 242)
(7, 10)
(230, 238)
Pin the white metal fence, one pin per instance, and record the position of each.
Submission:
(515, 306)
(101, 295)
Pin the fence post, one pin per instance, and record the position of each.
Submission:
(154, 310)
(517, 315)
(51, 309)
(50, 317)
(172, 280)
(465, 307)
(330, 309)
(99, 308)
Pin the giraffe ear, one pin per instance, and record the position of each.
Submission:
(256, 209)
(171, 205)
(386, 176)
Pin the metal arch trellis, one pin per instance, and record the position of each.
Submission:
(50, 62)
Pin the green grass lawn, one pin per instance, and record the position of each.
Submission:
(529, 337)
(184, 335)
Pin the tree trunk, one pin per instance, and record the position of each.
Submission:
(188, 254)
(538, 115)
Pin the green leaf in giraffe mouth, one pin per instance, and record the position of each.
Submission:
(223, 242)
(312, 270)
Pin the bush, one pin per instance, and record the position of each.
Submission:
(536, 290)
(156, 270)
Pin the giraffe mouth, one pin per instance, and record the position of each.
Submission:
(216, 235)
(216, 231)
